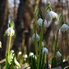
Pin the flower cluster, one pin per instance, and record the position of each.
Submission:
(12, 54)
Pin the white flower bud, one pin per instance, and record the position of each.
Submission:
(39, 22)
(45, 50)
(58, 54)
(19, 53)
(31, 54)
(25, 56)
(64, 27)
(37, 37)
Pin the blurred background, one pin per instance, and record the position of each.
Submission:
(22, 13)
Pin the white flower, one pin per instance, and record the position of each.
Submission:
(16, 62)
(45, 50)
(19, 53)
(39, 22)
(25, 56)
(62, 1)
(12, 51)
(10, 32)
(63, 60)
(64, 27)
(31, 54)
(58, 54)
(37, 37)
(51, 15)
(0, 44)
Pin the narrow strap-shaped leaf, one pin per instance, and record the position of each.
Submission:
(47, 62)
(55, 62)
(6, 63)
(45, 43)
(43, 60)
(54, 46)
(52, 64)
(62, 62)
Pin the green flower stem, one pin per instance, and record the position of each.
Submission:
(41, 37)
(9, 48)
(36, 43)
(60, 21)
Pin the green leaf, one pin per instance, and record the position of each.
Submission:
(36, 13)
(54, 46)
(60, 21)
(45, 43)
(7, 66)
(47, 62)
(0, 66)
(62, 62)
(55, 62)
(43, 60)
(52, 64)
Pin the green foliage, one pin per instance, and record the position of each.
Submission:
(7, 66)
(0, 66)
(39, 63)
(45, 43)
